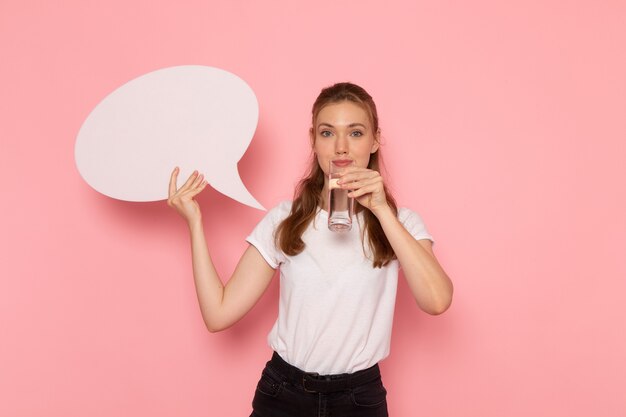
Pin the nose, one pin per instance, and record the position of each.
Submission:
(341, 145)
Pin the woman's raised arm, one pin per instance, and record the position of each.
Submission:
(221, 305)
(428, 282)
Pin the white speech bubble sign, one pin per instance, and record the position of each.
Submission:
(191, 116)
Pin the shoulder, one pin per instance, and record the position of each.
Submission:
(413, 222)
(277, 213)
(280, 210)
(266, 227)
(408, 215)
(263, 235)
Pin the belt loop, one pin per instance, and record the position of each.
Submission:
(304, 385)
(304, 379)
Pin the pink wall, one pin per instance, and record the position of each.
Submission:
(504, 126)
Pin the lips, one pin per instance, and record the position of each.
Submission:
(342, 162)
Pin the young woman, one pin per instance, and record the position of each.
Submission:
(337, 290)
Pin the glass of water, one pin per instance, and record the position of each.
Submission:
(340, 206)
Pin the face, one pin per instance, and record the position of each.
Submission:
(343, 131)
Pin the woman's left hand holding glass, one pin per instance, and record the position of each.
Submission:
(366, 186)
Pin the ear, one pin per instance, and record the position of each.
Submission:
(312, 137)
(376, 143)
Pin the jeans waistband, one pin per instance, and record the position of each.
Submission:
(313, 382)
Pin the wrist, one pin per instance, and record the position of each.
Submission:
(382, 212)
(195, 224)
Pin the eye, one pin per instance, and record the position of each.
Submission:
(326, 133)
(356, 133)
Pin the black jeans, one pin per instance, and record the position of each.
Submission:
(286, 391)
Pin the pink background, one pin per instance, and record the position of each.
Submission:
(504, 126)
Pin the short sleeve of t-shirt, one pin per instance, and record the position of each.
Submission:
(262, 237)
(414, 224)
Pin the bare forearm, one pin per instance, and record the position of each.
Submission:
(209, 287)
(429, 283)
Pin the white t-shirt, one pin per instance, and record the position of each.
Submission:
(336, 310)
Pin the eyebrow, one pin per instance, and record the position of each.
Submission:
(350, 125)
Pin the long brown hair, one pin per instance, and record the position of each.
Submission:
(308, 192)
